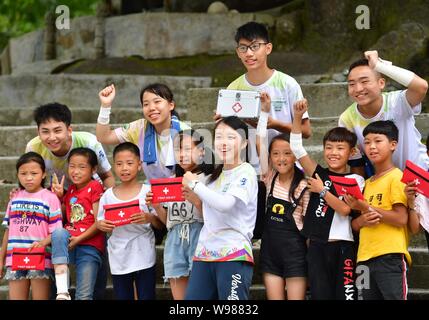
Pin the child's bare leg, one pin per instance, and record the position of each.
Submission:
(178, 287)
(275, 286)
(40, 289)
(19, 289)
(296, 288)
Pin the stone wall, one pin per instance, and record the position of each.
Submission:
(78, 41)
(149, 35)
(168, 35)
(26, 49)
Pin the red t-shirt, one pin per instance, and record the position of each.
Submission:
(79, 212)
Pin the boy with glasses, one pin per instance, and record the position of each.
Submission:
(253, 48)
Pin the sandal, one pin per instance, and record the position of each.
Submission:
(63, 296)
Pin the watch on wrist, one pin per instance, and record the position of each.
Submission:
(322, 193)
(192, 184)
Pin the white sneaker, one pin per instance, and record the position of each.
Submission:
(63, 296)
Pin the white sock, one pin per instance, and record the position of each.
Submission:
(61, 280)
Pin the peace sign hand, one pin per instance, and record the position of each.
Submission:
(58, 187)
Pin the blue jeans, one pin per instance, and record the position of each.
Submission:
(228, 280)
(87, 259)
(101, 283)
(145, 282)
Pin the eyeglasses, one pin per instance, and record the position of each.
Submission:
(254, 47)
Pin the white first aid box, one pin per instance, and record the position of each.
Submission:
(243, 104)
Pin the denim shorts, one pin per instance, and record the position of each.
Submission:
(29, 274)
(180, 245)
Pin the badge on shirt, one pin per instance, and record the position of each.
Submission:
(120, 214)
(277, 105)
(22, 259)
(167, 190)
(414, 173)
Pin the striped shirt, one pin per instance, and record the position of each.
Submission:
(32, 217)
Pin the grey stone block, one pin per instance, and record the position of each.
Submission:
(24, 116)
(178, 34)
(26, 49)
(81, 91)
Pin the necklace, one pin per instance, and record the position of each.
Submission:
(382, 173)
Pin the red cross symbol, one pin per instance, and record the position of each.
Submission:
(236, 107)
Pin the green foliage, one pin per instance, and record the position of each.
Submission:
(21, 16)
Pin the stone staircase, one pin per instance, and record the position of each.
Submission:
(196, 103)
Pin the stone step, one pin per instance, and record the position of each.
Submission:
(81, 90)
(419, 241)
(418, 294)
(257, 292)
(325, 100)
(24, 116)
(163, 292)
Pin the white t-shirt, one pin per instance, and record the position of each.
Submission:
(341, 227)
(284, 91)
(422, 207)
(227, 236)
(396, 108)
(183, 211)
(131, 247)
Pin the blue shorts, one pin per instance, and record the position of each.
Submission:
(29, 274)
(179, 249)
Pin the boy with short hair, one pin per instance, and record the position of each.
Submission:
(54, 142)
(327, 222)
(365, 85)
(382, 225)
(56, 139)
(253, 49)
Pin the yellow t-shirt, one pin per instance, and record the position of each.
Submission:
(384, 238)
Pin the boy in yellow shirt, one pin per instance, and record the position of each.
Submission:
(383, 220)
